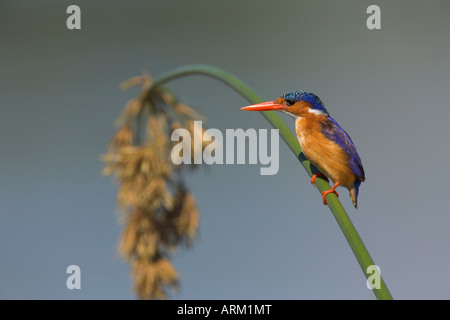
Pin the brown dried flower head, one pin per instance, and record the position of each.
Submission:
(159, 213)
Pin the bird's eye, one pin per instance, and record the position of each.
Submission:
(290, 102)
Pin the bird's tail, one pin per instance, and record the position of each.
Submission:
(354, 193)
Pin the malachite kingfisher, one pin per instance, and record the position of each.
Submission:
(324, 143)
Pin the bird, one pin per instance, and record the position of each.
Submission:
(323, 141)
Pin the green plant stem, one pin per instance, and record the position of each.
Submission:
(341, 216)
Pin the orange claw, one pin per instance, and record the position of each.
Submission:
(332, 190)
(318, 174)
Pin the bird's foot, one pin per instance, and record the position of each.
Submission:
(318, 174)
(332, 190)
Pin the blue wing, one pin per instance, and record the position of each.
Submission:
(334, 132)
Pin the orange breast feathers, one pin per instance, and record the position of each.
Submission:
(325, 154)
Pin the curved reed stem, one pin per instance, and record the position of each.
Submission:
(341, 216)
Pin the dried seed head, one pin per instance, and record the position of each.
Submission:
(159, 213)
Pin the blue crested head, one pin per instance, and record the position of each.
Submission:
(296, 96)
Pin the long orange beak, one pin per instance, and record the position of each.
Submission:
(265, 106)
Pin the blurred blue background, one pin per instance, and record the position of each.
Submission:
(260, 237)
